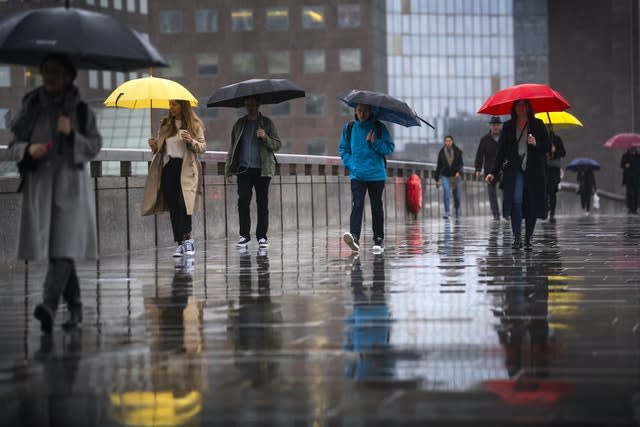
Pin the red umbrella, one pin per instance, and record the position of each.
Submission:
(542, 98)
(623, 140)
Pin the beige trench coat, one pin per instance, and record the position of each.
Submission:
(190, 178)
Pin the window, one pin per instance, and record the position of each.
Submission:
(313, 17)
(205, 112)
(120, 77)
(144, 8)
(91, 2)
(314, 105)
(243, 63)
(314, 61)
(5, 76)
(170, 21)
(175, 68)
(350, 60)
(345, 110)
(277, 19)
(281, 109)
(131, 5)
(117, 4)
(206, 21)
(106, 80)
(104, 3)
(278, 62)
(349, 15)
(93, 79)
(241, 20)
(5, 118)
(207, 64)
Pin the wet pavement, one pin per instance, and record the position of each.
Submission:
(448, 326)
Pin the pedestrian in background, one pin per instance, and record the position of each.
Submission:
(449, 172)
(54, 137)
(630, 164)
(363, 146)
(254, 140)
(485, 155)
(522, 150)
(554, 171)
(586, 187)
(174, 181)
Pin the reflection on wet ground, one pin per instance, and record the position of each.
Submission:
(448, 325)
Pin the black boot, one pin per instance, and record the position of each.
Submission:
(73, 317)
(517, 243)
(527, 244)
(45, 315)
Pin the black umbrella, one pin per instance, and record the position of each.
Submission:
(384, 107)
(268, 91)
(90, 40)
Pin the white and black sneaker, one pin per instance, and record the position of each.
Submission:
(179, 251)
(378, 246)
(188, 247)
(243, 242)
(351, 241)
(263, 243)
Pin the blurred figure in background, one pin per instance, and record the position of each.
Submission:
(449, 172)
(485, 155)
(630, 164)
(586, 188)
(554, 171)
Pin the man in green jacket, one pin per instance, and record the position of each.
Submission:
(254, 139)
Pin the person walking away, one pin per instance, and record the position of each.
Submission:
(449, 171)
(54, 137)
(174, 181)
(364, 143)
(485, 155)
(586, 188)
(554, 171)
(630, 164)
(522, 150)
(254, 140)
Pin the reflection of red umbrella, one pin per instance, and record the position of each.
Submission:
(542, 98)
(529, 392)
(623, 140)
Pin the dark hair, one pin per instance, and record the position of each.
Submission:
(256, 97)
(530, 116)
(67, 64)
(449, 136)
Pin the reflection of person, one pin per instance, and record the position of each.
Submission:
(586, 187)
(254, 139)
(523, 144)
(449, 172)
(174, 181)
(485, 155)
(553, 171)
(363, 146)
(630, 164)
(55, 135)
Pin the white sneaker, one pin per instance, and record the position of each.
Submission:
(243, 242)
(349, 240)
(263, 243)
(179, 251)
(188, 247)
(378, 246)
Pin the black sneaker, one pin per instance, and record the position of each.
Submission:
(378, 246)
(45, 316)
(243, 242)
(517, 243)
(351, 241)
(527, 244)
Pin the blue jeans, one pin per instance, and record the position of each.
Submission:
(446, 189)
(517, 210)
(358, 191)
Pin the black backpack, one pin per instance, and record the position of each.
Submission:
(378, 135)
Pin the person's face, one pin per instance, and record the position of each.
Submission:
(448, 142)
(175, 109)
(495, 128)
(521, 109)
(363, 112)
(54, 76)
(251, 105)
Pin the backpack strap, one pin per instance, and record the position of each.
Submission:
(349, 129)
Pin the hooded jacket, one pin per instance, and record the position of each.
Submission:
(365, 160)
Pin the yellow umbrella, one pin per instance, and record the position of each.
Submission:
(560, 120)
(148, 92)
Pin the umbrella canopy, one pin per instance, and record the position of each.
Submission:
(91, 40)
(623, 140)
(385, 107)
(541, 97)
(560, 120)
(148, 92)
(268, 91)
(579, 163)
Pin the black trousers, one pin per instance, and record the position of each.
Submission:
(172, 192)
(632, 193)
(61, 280)
(247, 181)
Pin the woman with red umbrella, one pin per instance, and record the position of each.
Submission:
(522, 148)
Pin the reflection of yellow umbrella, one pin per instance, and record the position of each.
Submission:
(560, 120)
(148, 92)
(148, 408)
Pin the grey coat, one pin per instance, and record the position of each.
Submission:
(58, 203)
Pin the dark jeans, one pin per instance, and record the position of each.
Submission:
(247, 181)
(172, 192)
(61, 280)
(585, 200)
(358, 191)
(492, 191)
(517, 211)
(632, 198)
(553, 175)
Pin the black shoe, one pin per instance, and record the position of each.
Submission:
(45, 316)
(527, 245)
(552, 220)
(517, 243)
(73, 317)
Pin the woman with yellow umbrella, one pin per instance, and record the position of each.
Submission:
(174, 181)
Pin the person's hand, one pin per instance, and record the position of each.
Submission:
(230, 179)
(531, 140)
(37, 151)
(489, 178)
(260, 133)
(457, 174)
(370, 137)
(64, 125)
(553, 148)
(153, 144)
(627, 165)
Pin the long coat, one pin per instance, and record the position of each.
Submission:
(190, 175)
(535, 179)
(58, 218)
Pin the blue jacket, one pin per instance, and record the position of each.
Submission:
(364, 160)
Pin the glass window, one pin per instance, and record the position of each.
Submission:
(314, 61)
(350, 60)
(106, 80)
(243, 63)
(277, 19)
(175, 68)
(93, 79)
(206, 20)
(281, 109)
(91, 2)
(205, 112)
(207, 64)
(5, 118)
(348, 15)
(345, 110)
(170, 21)
(104, 3)
(144, 8)
(241, 20)
(131, 5)
(5, 76)
(278, 62)
(313, 17)
(314, 105)
(117, 4)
